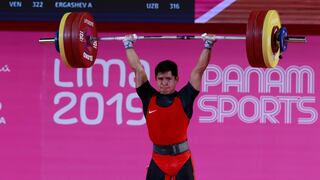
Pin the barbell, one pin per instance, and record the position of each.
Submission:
(266, 40)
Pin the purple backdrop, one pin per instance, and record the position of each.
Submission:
(61, 123)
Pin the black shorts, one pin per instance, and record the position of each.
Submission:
(185, 173)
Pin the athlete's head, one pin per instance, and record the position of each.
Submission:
(166, 74)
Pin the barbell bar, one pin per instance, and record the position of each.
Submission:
(266, 39)
(295, 39)
(179, 37)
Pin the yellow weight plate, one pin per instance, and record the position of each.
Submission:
(61, 39)
(271, 20)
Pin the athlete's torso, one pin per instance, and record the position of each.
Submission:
(167, 116)
(167, 125)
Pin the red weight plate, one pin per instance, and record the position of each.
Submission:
(67, 38)
(75, 31)
(249, 38)
(259, 60)
(84, 48)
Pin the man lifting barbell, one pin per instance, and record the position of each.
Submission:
(168, 111)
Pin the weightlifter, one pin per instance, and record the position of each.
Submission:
(168, 111)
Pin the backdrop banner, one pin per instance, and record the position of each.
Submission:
(58, 123)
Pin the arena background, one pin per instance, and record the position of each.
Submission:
(59, 123)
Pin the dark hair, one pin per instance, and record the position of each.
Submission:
(165, 66)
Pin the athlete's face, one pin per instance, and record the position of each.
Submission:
(166, 82)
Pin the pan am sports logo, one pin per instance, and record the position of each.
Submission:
(253, 95)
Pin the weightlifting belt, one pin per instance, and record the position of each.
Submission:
(171, 149)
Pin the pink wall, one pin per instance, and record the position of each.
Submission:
(202, 6)
(59, 123)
